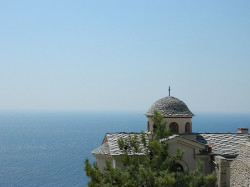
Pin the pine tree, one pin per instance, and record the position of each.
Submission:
(146, 163)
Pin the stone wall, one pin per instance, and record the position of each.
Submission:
(240, 167)
(221, 171)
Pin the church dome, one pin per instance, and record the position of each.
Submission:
(170, 107)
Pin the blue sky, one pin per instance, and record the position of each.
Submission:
(123, 55)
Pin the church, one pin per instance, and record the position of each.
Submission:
(225, 153)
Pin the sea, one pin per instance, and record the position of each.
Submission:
(48, 148)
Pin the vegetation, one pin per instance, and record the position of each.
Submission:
(147, 163)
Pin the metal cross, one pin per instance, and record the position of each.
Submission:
(169, 90)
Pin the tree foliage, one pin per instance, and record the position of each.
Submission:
(147, 163)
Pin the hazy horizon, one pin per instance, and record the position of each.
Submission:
(196, 113)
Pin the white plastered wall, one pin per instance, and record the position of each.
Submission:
(115, 161)
(101, 161)
(190, 160)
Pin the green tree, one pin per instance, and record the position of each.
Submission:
(147, 163)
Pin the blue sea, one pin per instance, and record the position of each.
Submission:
(49, 148)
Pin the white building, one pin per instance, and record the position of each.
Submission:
(216, 151)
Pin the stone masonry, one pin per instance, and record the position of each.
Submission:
(221, 171)
(240, 167)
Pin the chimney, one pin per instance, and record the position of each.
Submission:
(243, 130)
(209, 149)
(210, 145)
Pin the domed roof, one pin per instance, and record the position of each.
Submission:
(170, 107)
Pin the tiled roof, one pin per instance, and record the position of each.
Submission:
(110, 144)
(223, 143)
(102, 150)
(170, 107)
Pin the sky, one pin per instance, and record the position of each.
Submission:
(123, 55)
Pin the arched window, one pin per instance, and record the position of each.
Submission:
(174, 128)
(177, 168)
(148, 127)
(187, 128)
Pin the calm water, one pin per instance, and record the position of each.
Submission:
(49, 148)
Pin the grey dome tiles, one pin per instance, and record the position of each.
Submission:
(170, 107)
